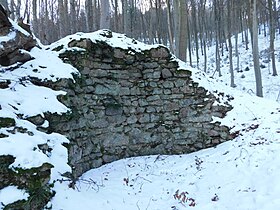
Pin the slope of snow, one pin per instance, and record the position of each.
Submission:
(238, 174)
(245, 78)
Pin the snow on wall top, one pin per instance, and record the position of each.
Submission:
(111, 38)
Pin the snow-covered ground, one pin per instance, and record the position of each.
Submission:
(240, 174)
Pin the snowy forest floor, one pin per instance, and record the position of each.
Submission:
(242, 174)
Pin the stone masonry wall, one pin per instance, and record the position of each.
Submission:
(127, 103)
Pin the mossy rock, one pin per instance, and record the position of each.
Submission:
(6, 122)
(34, 181)
(36, 120)
(38, 198)
(183, 72)
(58, 48)
(5, 84)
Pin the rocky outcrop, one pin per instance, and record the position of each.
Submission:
(4, 21)
(129, 103)
(14, 42)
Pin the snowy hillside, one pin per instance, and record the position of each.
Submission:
(245, 77)
(240, 174)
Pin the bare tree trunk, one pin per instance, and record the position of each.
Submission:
(203, 31)
(237, 51)
(125, 16)
(26, 13)
(34, 17)
(170, 26)
(66, 18)
(73, 16)
(13, 9)
(236, 13)
(195, 31)
(183, 31)
(217, 17)
(177, 15)
(189, 41)
(158, 21)
(259, 89)
(18, 8)
(230, 44)
(105, 14)
(61, 19)
(89, 15)
(151, 24)
(116, 24)
(272, 35)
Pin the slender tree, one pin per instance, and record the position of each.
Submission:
(217, 40)
(73, 16)
(229, 6)
(105, 14)
(183, 31)
(169, 23)
(254, 31)
(89, 15)
(271, 5)
(195, 29)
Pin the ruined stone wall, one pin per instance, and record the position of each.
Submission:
(127, 103)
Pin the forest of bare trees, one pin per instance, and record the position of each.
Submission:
(187, 27)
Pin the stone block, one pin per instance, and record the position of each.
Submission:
(153, 98)
(166, 73)
(160, 52)
(144, 118)
(168, 84)
(132, 119)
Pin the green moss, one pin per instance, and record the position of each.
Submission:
(113, 105)
(102, 150)
(18, 205)
(203, 137)
(7, 122)
(63, 98)
(74, 58)
(34, 181)
(39, 196)
(60, 47)
(183, 71)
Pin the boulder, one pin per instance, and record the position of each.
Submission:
(15, 42)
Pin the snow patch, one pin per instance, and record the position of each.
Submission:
(11, 194)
